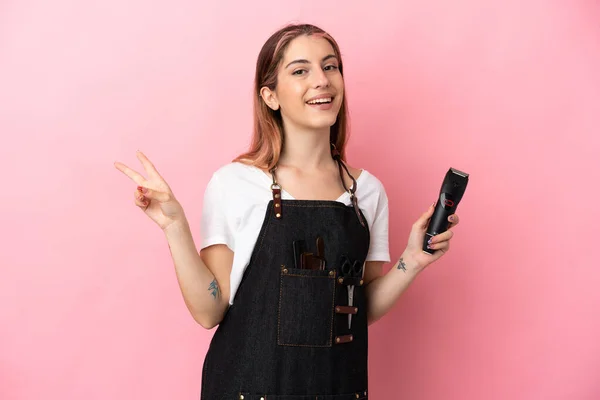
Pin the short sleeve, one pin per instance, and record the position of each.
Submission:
(215, 228)
(379, 248)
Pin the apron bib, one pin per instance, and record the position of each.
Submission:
(287, 334)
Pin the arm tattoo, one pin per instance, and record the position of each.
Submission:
(214, 289)
(401, 264)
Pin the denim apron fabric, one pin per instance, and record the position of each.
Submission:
(286, 336)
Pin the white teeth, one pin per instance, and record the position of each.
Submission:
(320, 101)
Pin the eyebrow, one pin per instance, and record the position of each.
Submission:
(302, 61)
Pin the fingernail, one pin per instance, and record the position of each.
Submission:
(430, 239)
(451, 218)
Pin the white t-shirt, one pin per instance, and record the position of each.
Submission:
(235, 203)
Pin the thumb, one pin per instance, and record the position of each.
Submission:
(161, 197)
(424, 220)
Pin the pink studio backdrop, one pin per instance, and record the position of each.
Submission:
(508, 91)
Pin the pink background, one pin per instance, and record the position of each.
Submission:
(508, 91)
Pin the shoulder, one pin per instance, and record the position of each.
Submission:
(240, 185)
(373, 201)
(236, 176)
(232, 170)
(368, 185)
(372, 196)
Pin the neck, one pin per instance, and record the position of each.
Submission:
(306, 150)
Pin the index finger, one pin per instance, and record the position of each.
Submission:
(135, 176)
(454, 222)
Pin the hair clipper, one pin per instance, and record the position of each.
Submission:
(453, 188)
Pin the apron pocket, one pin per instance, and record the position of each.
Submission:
(349, 396)
(306, 307)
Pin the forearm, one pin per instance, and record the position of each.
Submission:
(383, 292)
(198, 285)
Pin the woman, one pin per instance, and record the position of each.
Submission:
(293, 241)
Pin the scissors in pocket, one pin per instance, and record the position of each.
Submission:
(351, 270)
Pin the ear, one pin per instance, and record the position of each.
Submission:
(269, 97)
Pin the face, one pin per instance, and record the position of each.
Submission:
(310, 87)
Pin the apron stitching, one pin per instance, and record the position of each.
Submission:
(305, 345)
(279, 311)
(263, 235)
(332, 312)
(256, 252)
(341, 205)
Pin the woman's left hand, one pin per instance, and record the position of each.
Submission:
(414, 253)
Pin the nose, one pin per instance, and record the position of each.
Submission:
(320, 78)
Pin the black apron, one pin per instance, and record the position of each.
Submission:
(286, 335)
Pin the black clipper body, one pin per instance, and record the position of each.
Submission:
(453, 188)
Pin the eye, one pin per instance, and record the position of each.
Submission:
(331, 67)
(298, 72)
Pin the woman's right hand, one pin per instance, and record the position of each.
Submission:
(153, 195)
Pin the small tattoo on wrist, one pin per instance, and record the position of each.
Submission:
(402, 264)
(214, 288)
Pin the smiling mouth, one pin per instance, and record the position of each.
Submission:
(326, 100)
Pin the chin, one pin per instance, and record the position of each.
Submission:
(321, 123)
(315, 122)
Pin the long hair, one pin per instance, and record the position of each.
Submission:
(267, 138)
